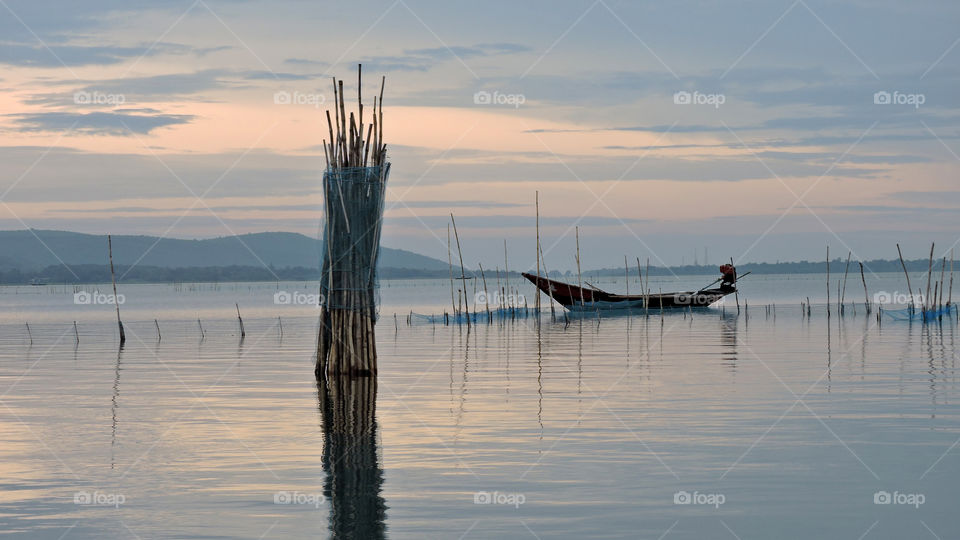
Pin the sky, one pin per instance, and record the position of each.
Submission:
(676, 131)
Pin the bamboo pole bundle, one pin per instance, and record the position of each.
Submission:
(354, 193)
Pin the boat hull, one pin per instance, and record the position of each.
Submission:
(577, 298)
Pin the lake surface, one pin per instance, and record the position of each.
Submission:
(715, 425)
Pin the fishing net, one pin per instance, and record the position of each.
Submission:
(354, 198)
(914, 314)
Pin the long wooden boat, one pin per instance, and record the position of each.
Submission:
(576, 298)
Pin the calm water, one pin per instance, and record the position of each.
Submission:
(770, 427)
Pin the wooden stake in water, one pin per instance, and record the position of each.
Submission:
(579, 276)
(926, 299)
(76, 332)
(843, 292)
(116, 302)
(158, 329)
(828, 281)
(486, 293)
(866, 295)
(450, 263)
(463, 276)
(537, 253)
(909, 287)
(202, 335)
(243, 333)
(30, 335)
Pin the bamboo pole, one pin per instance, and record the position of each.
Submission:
(76, 332)
(537, 253)
(158, 329)
(828, 281)
(843, 293)
(950, 295)
(907, 274)
(463, 276)
(866, 295)
(243, 333)
(926, 299)
(486, 293)
(29, 334)
(116, 300)
(579, 275)
(943, 267)
(450, 263)
(202, 335)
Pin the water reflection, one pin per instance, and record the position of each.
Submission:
(354, 477)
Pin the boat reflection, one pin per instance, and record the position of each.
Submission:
(354, 477)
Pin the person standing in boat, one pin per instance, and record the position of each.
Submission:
(729, 279)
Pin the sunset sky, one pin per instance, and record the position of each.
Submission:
(172, 118)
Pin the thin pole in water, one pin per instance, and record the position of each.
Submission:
(113, 279)
(909, 288)
(202, 335)
(243, 333)
(866, 296)
(76, 332)
(843, 293)
(828, 281)
(30, 335)
(158, 329)
(463, 276)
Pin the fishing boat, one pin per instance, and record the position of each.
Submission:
(590, 298)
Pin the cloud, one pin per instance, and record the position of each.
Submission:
(33, 54)
(97, 123)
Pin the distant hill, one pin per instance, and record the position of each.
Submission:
(34, 250)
